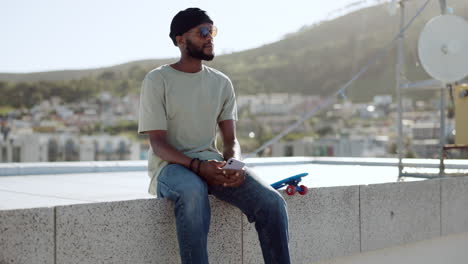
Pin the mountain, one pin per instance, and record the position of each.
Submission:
(318, 59)
(65, 75)
(321, 58)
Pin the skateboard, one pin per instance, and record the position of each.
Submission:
(292, 183)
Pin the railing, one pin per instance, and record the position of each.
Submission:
(41, 168)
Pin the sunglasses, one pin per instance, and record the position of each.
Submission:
(205, 30)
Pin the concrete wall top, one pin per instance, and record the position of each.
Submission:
(139, 231)
(326, 223)
(323, 224)
(27, 236)
(399, 213)
(454, 194)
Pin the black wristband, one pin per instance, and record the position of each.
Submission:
(191, 162)
(199, 165)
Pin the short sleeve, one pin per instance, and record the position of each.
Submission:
(229, 109)
(152, 111)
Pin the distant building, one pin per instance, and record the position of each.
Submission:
(423, 131)
(334, 147)
(20, 149)
(427, 148)
(426, 138)
(383, 100)
(277, 103)
(407, 104)
(67, 147)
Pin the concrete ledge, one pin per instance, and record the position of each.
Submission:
(446, 249)
(399, 213)
(454, 193)
(323, 224)
(139, 231)
(27, 236)
(328, 223)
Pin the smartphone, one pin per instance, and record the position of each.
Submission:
(233, 164)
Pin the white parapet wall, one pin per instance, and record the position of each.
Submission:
(351, 224)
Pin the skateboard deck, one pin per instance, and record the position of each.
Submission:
(292, 184)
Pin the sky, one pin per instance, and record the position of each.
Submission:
(46, 35)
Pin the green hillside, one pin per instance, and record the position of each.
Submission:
(321, 58)
(317, 59)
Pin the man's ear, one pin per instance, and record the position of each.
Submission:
(180, 41)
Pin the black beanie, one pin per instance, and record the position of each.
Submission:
(186, 20)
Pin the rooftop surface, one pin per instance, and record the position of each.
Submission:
(128, 180)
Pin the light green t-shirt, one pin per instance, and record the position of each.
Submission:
(189, 106)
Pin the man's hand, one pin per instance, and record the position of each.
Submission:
(211, 171)
(237, 177)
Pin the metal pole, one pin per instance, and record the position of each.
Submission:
(442, 132)
(443, 6)
(443, 9)
(399, 69)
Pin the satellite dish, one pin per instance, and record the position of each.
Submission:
(443, 48)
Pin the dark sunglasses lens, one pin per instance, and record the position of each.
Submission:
(204, 31)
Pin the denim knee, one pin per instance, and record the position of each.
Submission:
(272, 205)
(194, 198)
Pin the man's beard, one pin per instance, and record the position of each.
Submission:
(192, 51)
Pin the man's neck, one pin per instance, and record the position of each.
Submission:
(189, 65)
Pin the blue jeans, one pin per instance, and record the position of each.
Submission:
(257, 200)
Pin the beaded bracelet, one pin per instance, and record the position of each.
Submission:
(199, 165)
(191, 162)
